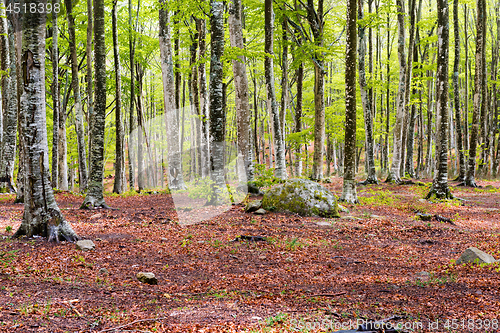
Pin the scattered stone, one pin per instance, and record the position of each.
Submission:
(253, 206)
(85, 245)
(350, 217)
(424, 217)
(163, 239)
(95, 216)
(424, 276)
(249, 238)
(476, 256)
(103, 271)
(423, 200)
(324, 224)
(98, 240)
(376, 217)
(260, 211)
(427, 242)
(303, 197)
(147, 277)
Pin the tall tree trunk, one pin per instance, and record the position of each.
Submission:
(280, 170)
(478, 87)
(483, 139)
(440, 187)
(466, 84)
(41, 213)
(56, 101)
(349, 187)
(456, 93)
(94, 197)
(131, 125)
(298, 119)
(82, 162)
(141, 140)
(193, 87)
(119, 153)
(367, 105)
(217, 111)
(16, 21)
(241, 96)
(9, 107)
(394, 173)
(90, 87)
(176, 180)
(202, 78)
(62, 148)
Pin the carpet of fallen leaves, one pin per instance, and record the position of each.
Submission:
(366, 265)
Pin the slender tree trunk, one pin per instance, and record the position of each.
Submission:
(440, 187)
(16, 21)
(82, 162)
(62, 149)
(394, 173)
(241, 96)
(466, 85)
(202, 78)
(456, 93)
(349, 187)
(9, 107)
(217, 112)
(478, 86)
(131, 141)
(141, 140)
(90, 87)
(298, 118)
(119, 153)
(280, 170)
(56, 101)
(94, 197)
(367, 106)
(176, 180)
(483, 139)
(41, 213)
(193, 87)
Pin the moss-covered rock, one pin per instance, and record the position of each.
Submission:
(301, 196)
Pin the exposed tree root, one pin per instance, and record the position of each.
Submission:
(439, 193)
(369, 181)
(469, 183)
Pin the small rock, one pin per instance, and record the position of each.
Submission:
(343, 209)
(98, 240)
(147, 277)
(422, 200)
(423, 275)
(475, 255)
(103, 271)
(424, 217)
(253, 206)
(260, 211)
(324, 224)
(163, 239)
(85, 245)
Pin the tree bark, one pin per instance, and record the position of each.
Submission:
(367, 106)
(131, 125)
(478, 87)
(280, 170)
(90, 88)
(202, 78)
(119, 152)
(440, 187)
(176, 180)
(349, 187)
(9, 107)
(41, 213)
(82, 162)
(94, 197)
(241, 96)
(56, 101)
(298, 119)
(394, 173)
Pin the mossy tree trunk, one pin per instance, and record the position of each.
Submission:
(41, 213)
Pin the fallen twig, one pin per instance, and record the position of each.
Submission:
(328, 295)
(132, 323)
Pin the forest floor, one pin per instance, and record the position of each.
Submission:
(310, 275)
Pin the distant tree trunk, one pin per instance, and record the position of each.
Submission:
(193, 87)
(367, 106)
(41, 213)
(298, 118)
(466, 85)
(9, 107)
(284, 74)
(478, 86)
(202, 78)
(440, 187)
(176, 180)
(56, 101)
(483, 139)
(82, 162)
(16, 21)
(456, 93)
(62, 148)
(241, 93)
(387, 94)
(280, 170)
(394, 173)
(94, 197)
(119, 153)
(349, 187)
(141, 140)
(217, 112)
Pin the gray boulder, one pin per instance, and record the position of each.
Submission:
(301, 196)
(148, 278)
(85, 245)
(253, 206)
(260, 211)
(475, 255)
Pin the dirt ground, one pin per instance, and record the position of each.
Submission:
(309, 275)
